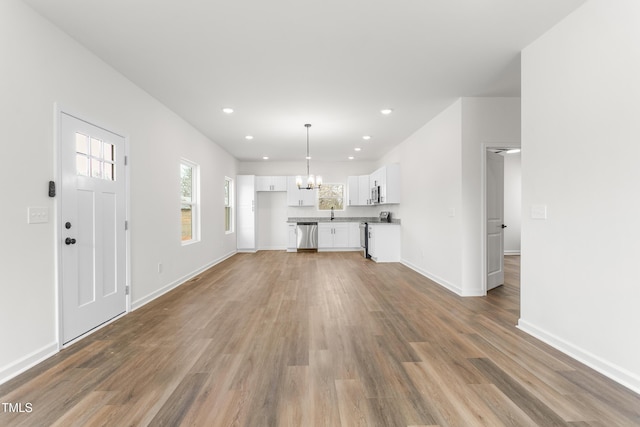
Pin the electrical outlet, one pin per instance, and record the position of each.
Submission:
(159, 267)
(37, 215)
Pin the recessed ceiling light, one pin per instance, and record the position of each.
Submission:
(351, 157)
(265, 157)
(249, 137)
(386, 111)
(366, 137)
(357, 149)
(227, 110)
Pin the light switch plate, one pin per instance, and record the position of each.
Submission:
(538, 211)
(37, 215)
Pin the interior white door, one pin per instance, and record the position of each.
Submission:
(93, 213)
(495, 220)
(246, 214)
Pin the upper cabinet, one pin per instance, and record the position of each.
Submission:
(271, 183)
(383, 183)
(298, 197)
(359, 190)
(387, 182)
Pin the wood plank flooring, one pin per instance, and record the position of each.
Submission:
(317, 339)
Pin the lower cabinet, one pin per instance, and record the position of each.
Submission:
(384, 242)
(338, 235)
(292, 240)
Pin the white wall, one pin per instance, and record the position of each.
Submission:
(442, 205)
(494, 121)
(431, 175)
(39, 67)
(512, 203)
(580, 107)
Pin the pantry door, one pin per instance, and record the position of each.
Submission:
(93, 237)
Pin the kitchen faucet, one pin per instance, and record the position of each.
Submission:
(332, 215)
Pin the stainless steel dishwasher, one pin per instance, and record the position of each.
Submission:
(307, 235)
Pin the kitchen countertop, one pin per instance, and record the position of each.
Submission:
(369, 219)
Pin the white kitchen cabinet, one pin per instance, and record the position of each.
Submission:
(292, 241)
(384, 242)
(359, 190)
(246, 213)
(325, 235)
(338, 235)
(388, 179)
(298, 197)
(352, 191)
(271, 183)
(364, 190)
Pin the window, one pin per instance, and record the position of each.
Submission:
(331, 196)
(95, 158)
(228, 205)
(189, 201)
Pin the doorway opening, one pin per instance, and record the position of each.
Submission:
(501, 213)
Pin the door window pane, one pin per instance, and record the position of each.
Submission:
(108, 172)
(82, 143)
(82, 165)
(109, 152)
(96, 168)
(96, 148)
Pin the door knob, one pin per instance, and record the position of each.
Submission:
(69, 241)
(503, 226)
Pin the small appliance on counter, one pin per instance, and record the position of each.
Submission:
(385, 216)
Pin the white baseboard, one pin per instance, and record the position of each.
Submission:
(158, 293)
(29, 361)
(273, 248)
(440, 281)
(608, 369)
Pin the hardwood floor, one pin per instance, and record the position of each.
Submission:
(326, 339)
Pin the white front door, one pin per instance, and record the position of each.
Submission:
(92, 206)
(495, 220)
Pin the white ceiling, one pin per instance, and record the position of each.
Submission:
(332, 63)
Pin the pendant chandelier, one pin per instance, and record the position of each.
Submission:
(312, 181)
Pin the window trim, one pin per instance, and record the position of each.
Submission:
(195, 201)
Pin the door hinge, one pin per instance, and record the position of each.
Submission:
(126, 290)
(126, 225)
(126, 160)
